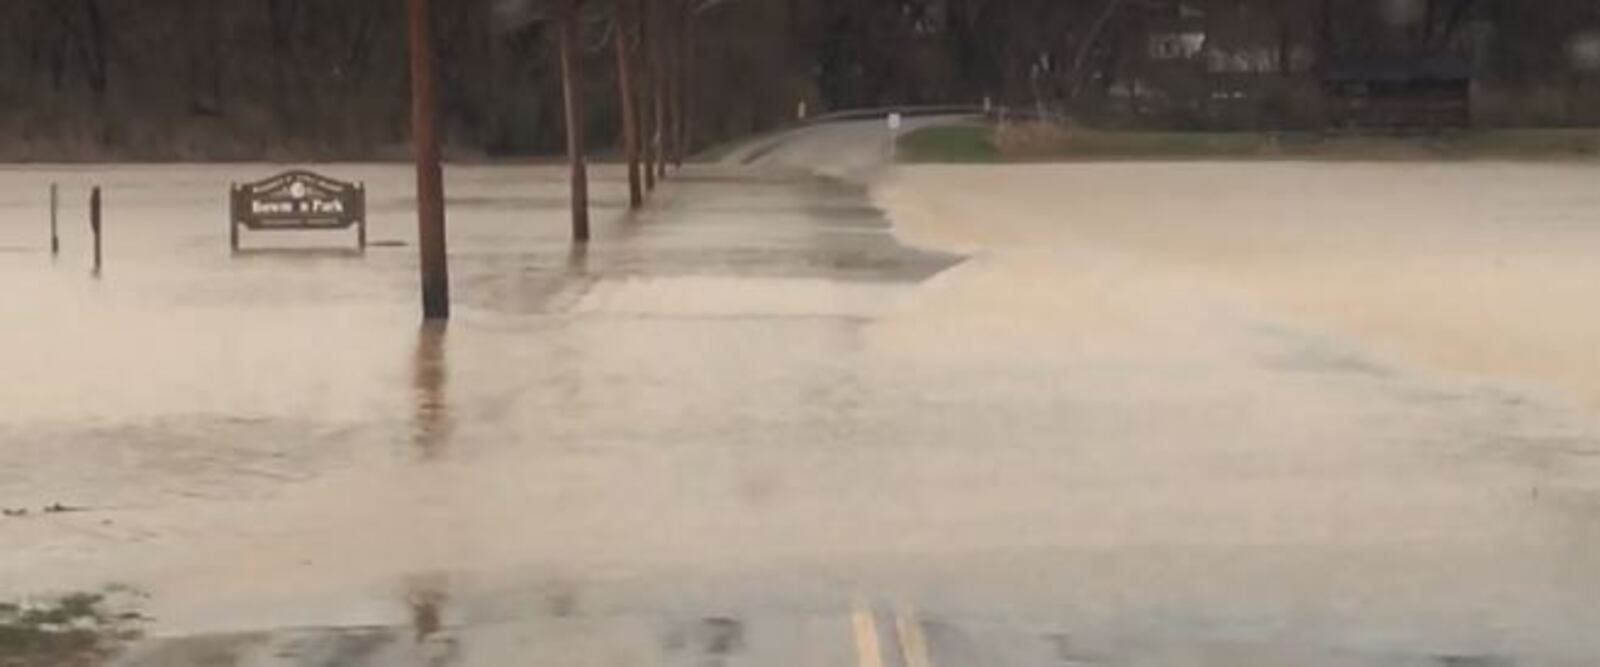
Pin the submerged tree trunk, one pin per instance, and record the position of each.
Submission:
(686, 134)
(680, 69)
(627, 113)
(659, 91)
(572, 92)
(648, 127)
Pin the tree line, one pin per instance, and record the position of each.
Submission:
(284, 79)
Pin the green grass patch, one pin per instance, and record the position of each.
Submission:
(978, 143)
(1521, 142)
(949, 143)
(76, 630)
(1151, 144)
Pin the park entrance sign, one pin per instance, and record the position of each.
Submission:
(297, 200)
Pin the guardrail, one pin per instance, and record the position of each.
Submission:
(771, 139)
(993, 113)
(908, 111)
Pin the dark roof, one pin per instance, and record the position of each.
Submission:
(1398, 69)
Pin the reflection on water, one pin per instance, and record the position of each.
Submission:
(427, 597)
(292, 253)
(432, 425)
(578, 260)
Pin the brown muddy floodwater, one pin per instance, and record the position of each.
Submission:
(752, 405)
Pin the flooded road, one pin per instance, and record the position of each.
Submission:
(751, 426)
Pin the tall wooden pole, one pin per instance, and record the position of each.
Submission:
(629, 115)
(572, 91)
(430, 178)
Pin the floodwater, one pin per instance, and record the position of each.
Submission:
(756, 424)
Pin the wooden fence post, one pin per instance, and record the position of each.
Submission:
(94, 225)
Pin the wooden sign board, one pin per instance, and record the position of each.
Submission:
(297, 200)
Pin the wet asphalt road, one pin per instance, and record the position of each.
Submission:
(739, 429)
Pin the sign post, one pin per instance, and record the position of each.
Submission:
(297, 200)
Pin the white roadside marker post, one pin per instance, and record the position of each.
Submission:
(895, 121)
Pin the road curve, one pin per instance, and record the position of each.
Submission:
(852, 150)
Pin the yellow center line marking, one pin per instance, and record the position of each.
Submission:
(869, 649)
(912, 642)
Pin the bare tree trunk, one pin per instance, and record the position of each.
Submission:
(1089, 42)
(659, 93)
(201, 22)
(279, 17)
(96, 67)
(647, 95)
(194, 58)
(687, 135)
(572, 92)
(1458, 12)
(680, 68)
(628, 114)
(58, 57)
(647, 130)
(96, 59)
(1285, 49)
(1325, 34)
(217, 66)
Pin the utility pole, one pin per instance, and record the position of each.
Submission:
(572, 90)
(430, 178)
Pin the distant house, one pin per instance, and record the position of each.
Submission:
(1219, 65)
(1398, 92)
(1252, 65)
